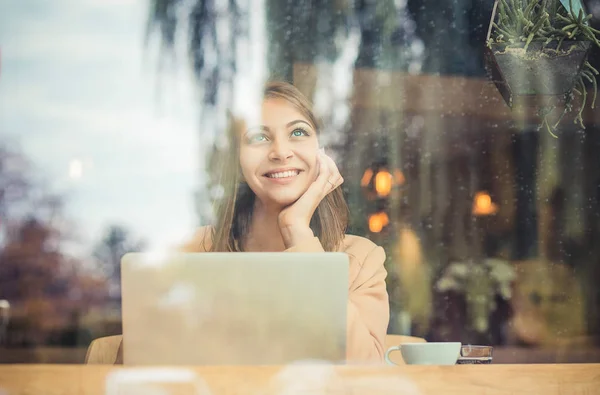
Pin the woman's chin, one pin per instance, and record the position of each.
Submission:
(285, 199)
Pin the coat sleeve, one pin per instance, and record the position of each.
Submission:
(368, 310)
(368, 302)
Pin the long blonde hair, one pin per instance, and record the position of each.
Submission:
(234, 210)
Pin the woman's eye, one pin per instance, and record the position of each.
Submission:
(299, 133)
(257, 138)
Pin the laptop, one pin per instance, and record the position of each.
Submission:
(234, 308)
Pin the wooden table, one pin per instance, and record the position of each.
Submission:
(546, 379)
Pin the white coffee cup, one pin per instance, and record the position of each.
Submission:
(445, 353)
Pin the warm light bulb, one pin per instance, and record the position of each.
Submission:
(383, 182)
(484, 201)
(482, 204)
(366, 178)
(398, 177)
(375, 223)
(378, 221)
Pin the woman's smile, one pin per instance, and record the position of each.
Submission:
(282, 176)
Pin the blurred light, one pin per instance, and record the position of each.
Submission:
(378, 221)
(399, 177)
(483, 205)
(75, 169)
(366, 178)
(383, 183)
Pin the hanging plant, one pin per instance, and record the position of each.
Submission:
(541, 47)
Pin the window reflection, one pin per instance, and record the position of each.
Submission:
(109, 144)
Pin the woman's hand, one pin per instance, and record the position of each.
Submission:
(294, 220)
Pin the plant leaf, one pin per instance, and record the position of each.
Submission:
(577, 6)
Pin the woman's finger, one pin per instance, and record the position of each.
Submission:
(335, 178)
(321, 183)
(332, 175)
(332, 166)
(324, 170)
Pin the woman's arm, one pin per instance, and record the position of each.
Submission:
(368, 310)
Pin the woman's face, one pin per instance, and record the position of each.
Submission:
(278, 157)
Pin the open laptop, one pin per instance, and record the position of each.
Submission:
(234, 308)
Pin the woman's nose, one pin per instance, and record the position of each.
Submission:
(280, 150)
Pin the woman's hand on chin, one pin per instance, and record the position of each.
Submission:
(294, 220)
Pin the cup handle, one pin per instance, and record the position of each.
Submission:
(388, 352)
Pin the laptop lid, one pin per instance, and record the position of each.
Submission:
(234, 308)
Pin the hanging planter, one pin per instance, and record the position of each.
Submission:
(540, 48)
(538, 71)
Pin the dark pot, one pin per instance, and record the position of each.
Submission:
(450, 321)
(537, 71)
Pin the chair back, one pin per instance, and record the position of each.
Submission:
(104, 350)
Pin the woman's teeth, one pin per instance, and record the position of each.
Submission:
(283, 174)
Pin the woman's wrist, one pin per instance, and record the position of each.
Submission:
(295, 234)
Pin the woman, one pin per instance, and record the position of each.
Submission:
(282, 194)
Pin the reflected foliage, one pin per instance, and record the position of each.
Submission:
(116, 242)
(46, 288)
